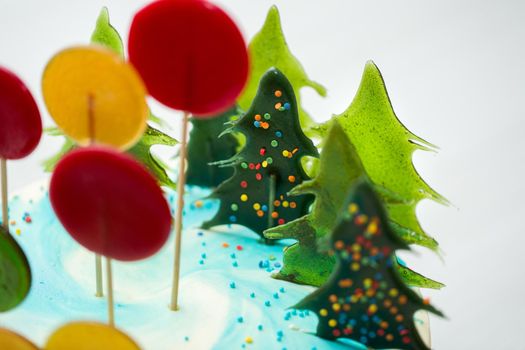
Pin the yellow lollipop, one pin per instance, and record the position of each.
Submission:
(89, 336)
(95, 97)
(12, 341)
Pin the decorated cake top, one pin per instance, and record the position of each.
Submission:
(336, 200)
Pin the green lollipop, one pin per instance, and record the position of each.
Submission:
(15, 274)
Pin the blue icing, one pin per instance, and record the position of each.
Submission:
(222, 304)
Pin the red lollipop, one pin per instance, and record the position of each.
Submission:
(110, 204)
(190, 54)
(20, 126)
(20, 123)
(192, 57)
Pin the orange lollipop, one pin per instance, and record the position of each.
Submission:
(12, 341)
(95, 97)
(89, 336)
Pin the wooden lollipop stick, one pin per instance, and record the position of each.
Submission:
(91, 118)
(109, 282)
(91, 132)
(178, 218)
(98, 273)
(3, 171)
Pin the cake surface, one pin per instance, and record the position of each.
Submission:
(228, 298)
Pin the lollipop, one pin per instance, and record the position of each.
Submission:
(111, 205)
(89, 336)
(193, 58)
(15, 274)
(95, 97)
(12, 341)
(21, 126)
(91, 93)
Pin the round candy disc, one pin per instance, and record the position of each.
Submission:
(15, 274)
(89, 336)
(12, 341)
(190, 54)
(110, 204)
(20, 122)
(94, 96)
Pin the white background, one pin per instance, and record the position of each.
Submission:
(455, 73)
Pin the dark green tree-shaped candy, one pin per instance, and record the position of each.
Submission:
(269, 164)
(15, 274)
(306, 262)
(205, 148)
(365, 299)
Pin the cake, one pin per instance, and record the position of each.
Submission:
(289, 233)
(229, 300)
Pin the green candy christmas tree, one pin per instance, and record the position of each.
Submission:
(269, 164)
(365, 298)
(106, 35)
(339, 169)
(269, 49)
(205, 142)
(385, 147)
(141, 151)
